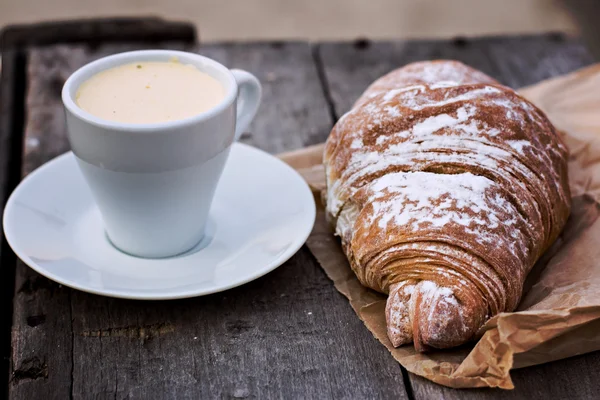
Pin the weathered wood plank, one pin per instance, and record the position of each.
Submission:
(294, 112)
(520, 61)
(41, 338)
(11, 85)
(277, 337)
(97, 31)
(517, 61)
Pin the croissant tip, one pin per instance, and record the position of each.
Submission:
(398, 323)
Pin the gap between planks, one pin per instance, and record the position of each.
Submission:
(12, 100)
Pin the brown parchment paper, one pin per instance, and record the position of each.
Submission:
(559, 315)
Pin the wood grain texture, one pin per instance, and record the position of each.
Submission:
(293, 113)
(11, 117)
(350, 68)
(516, 61)
(277, 337)
(41, 338)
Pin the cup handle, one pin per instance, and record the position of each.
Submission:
(248, 99)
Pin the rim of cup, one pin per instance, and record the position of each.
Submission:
(87, 71)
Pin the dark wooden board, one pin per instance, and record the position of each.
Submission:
(277, 337)
(11, 119)
(97, 31)
(350, 67)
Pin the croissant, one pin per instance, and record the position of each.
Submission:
(445, 188)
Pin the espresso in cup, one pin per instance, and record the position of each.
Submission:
(149, 92)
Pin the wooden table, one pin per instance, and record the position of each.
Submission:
(287, 335)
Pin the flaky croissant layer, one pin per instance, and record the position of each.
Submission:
(445, 188)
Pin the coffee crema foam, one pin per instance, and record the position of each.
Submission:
(149, 92)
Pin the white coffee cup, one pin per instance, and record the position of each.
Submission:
(154, 183)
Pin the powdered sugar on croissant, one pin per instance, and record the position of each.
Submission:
(445, 188)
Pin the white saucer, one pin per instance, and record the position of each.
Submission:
(262, 213)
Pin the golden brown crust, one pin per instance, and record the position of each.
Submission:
(445, 188)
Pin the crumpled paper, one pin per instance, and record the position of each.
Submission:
(559, 314)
